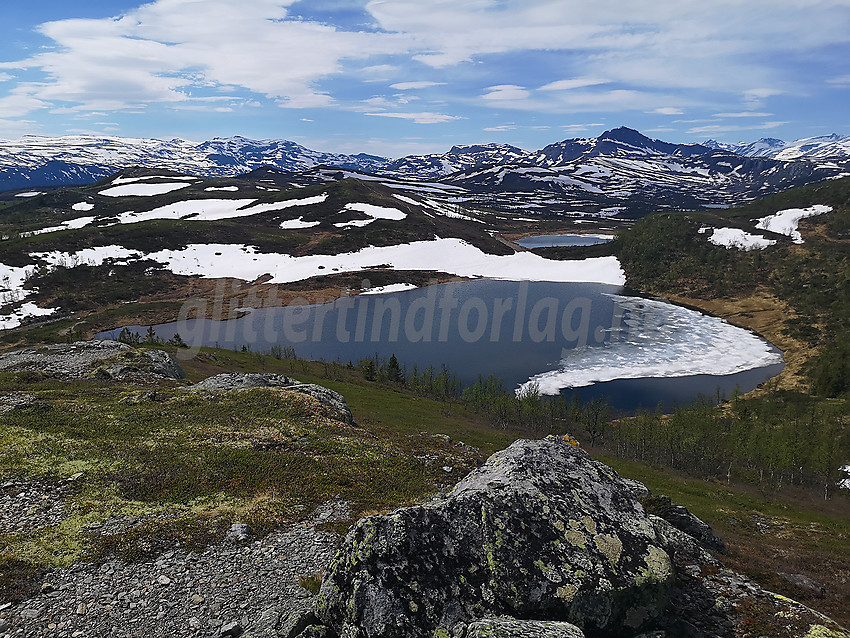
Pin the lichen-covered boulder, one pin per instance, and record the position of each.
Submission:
(244, 381)
(540, 531)
(513, 628)
(99, 359)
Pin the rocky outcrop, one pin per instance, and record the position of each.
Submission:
(544, 541)
(540, 531)
(242, 381)
(93, 359)
(680, 518)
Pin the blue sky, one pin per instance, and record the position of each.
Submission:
(397, 77)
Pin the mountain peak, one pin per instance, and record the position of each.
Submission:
(626, 135)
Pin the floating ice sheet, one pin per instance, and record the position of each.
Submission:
(658, 339)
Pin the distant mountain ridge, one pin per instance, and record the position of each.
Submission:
(832, 146)
(620, 171)
(35, 161)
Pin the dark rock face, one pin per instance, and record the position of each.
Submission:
(680, 518)
(86, 359)
(242, 381)
(541, 531)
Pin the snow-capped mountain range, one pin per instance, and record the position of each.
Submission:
(619, 170)
(38, 162)
(823, 147)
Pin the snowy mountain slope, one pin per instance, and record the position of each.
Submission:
(36, 161)
(626, 169)
(816, 148)
(459, 158)
(621, 170)
(823, 147)
(765, 147)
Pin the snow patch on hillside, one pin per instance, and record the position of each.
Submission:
(785, 221)
(294, 224)
(383, 290)
(83, 207)
(737, 238)
(142, 190)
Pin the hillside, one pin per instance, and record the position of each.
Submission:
(157, 238)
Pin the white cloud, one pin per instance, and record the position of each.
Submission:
(419, 118)
(668, 110)
(580, 128)
(171, 51)
(15, 129)
(5, 77)
(722, 128)
(743, 114)
(20, 101)
(408, 86)
(500, 129)
(506, 92)
(840, 82)
(575, 83)
(159, 51)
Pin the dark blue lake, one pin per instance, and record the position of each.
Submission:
(561, 337)
(546, 241)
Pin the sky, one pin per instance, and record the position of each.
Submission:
(401, 77)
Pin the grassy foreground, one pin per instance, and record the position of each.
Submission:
(179, 468)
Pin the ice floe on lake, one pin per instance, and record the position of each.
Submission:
(658, 339)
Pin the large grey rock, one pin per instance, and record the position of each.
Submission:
(326, 396)
(513, 628)
(682, 519)
(243, 381)
(87, 359)
(539, 531)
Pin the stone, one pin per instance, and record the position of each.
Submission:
(238, 533)
(243, 381)
(231, 630)
(326, 396)
(5, 625)
(680, 518)
(804, 582)
(99, 358)
(162, 579)
(295, 623)
(513, 628)
(540, 531)
(315, 631)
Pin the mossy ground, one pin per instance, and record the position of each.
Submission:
(181, 466)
